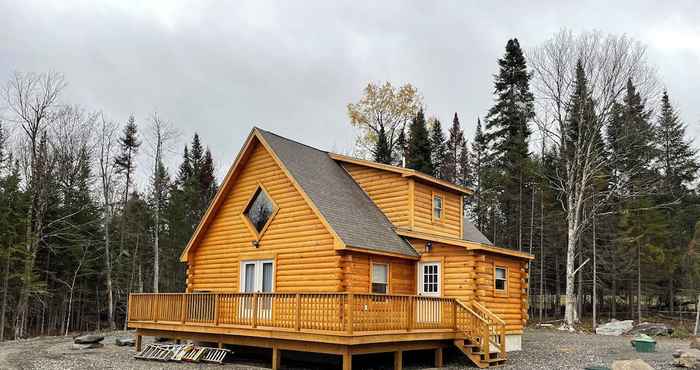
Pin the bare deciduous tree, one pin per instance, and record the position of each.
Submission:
(107, 148)
(609, 62)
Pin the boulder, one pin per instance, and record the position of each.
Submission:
(687, 358)
(78, 346)
(695, 342)
(650, 328)
(125, 342)
(631, 365)
(614, 327)
(161, 339)
(88, 339)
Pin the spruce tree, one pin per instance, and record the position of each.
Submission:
(479, 154)
(382, 151)
(125, 164)
(455, 141)
(438, 150)
(508, 134)
(676, 157)
(418, 149)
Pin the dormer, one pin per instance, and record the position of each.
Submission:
(411, 200)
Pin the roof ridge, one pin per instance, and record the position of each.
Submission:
(292, 140)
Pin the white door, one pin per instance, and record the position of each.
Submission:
(258, 277)
(429, 310)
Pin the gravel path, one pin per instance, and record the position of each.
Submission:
(544, 349)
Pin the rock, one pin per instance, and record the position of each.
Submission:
(614, 327)
(631, 365)
(125, 342)
(695, 342)
(650, 328)
(88, 339)
(161, 339)
(78, 346)
(687, 358)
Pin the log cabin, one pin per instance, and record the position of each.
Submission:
(306, 250)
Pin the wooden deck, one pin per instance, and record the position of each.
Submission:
(336, 323)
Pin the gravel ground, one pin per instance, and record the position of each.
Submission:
(544, 349)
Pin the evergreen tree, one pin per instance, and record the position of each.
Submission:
(508, 134)
(419, 151)
(455, 142)
(125, 164)
(676, 157)
(438, 150)
(478, 166)
(382, 151)
(464, 163)
(401, 147)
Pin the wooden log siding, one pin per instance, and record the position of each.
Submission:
(450, 225)
(402, 273)
(305, 260)
(341, 313)
(388, 190)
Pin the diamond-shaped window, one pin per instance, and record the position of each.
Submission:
(259, 211)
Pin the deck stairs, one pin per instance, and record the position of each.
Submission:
(476, 324)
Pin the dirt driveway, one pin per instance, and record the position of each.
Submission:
(544, 349)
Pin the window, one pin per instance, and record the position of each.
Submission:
(437, 207)
(500, 278)
(380, 278)
(259, 211)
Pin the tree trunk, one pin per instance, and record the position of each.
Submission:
(5, 285)
(595, 280)
(697, 316)
(108, 271)
(570, 315)
(639, 283)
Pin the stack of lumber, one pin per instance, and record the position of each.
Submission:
(182, 352)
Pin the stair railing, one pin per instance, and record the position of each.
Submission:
(474, 326)
(496, 327)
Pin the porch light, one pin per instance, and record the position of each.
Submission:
(428, 246)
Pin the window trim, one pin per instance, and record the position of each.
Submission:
(436, 194)
(503, 291)
(258, 263)
(371, 276)
(253, 230)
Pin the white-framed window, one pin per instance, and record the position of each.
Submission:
(437, 207)
(380, 278)
(501, 279)
(257, 276)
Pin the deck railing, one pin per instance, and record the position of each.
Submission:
(346, 313)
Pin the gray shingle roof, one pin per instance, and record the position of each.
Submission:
(472, 234)
(346, 207)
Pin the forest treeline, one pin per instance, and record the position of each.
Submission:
(77, 234)
(582, 160)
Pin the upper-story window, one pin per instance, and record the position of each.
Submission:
(437, 207)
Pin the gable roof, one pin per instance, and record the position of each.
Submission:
(349, 211)
(405, 172)
(343, 207)
(472, 234)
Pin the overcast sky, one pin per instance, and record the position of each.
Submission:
(291, 67)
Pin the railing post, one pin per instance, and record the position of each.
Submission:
(255, 310)
(128, 311)
(486, 339)
(297, 324)
(183, 307)
(502, 340)
(350, 308)
(216, 309)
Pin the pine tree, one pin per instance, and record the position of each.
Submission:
(478, 165)
(508, 134)
(677, 158)
(418, 149)
(464, 164)
(382, 151)
(125, 164)
(455, 141)
(437, 150)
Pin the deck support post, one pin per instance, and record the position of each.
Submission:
(438, 357)
(276, 358)
(138, 342)
(398, 360)
(347, 360)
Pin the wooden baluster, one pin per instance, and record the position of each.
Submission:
(349, 314)
(216, 309)
(411, 312)
(297, 312)
(255, 310)
(183, 307)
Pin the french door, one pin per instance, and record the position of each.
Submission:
(429, 285)
(257, 277)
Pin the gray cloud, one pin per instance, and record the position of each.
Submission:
(219, 68)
